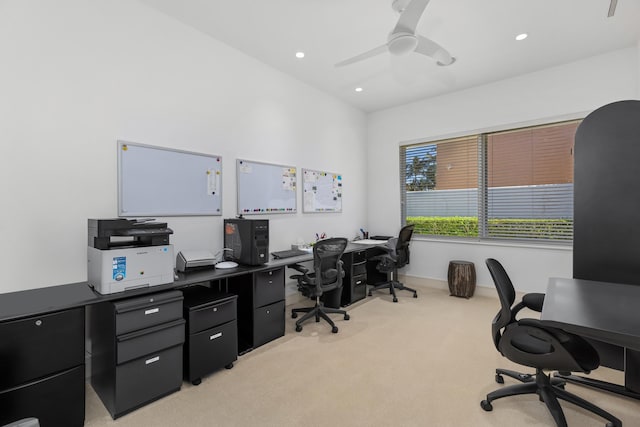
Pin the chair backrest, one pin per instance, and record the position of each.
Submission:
(402, 245)
(327, 264)
(507, 295)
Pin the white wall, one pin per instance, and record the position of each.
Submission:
(570, 89)
(76, 76)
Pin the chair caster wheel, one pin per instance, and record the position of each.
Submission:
(334, 329)
(486, 405)
(415, 295)
(229, 366)
(196, 382)
(395, 299)
(346, 317)
(298, 328)
(499, 379)
(294, 315)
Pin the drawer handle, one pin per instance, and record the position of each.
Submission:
(270, 281)
(152, 360)
(268, 311)
(214, 336)
(151, 311)
(215, 308)
(358, 282)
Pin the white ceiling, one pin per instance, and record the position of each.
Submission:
(480, 34)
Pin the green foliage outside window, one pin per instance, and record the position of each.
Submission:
(468, 227)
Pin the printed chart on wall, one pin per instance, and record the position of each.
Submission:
(156, 181)
(321, 191)
(265, 188)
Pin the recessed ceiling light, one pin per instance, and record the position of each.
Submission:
(522, 36)
(358, 89)
(299, 55)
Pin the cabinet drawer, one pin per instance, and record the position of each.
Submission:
(359, 268)
(57, 400)
(359, 280)
(144, 380)
(359, 256)
(140, 343)
(214, 313)
(268, 287)
(139, 313)
(41, 345)
(268, 323)
(210, 350)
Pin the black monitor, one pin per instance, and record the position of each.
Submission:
(246, 241)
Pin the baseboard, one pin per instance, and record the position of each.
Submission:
(481, 291)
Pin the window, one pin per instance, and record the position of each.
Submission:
(515, 184)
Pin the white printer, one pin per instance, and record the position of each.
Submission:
(125, 254)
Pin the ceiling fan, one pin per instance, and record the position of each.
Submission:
(403, 38)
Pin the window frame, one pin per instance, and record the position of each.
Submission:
(482, 214)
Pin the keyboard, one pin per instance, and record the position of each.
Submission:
(288, 253)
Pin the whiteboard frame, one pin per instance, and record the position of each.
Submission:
(303, 185)
(295, 193)
(151, 212)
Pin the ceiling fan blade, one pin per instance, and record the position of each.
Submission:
(612, 8)
(434, 50)
(410, 16)
(368, 54)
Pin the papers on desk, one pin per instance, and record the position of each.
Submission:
(370, 242)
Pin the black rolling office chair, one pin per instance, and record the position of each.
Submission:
(397, 256)
(529, 342)
(326, 276)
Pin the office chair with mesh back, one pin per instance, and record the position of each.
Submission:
(326, 276)
(397, 256)
(531, 343)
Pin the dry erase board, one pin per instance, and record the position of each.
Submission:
(156, 181)
(321, 191)
(265, 188)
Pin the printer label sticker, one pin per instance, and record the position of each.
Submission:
(119, 268)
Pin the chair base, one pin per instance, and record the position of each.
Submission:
(549, 392)
(392, 285)
(318, 311)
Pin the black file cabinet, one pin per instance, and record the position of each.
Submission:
(260, 307)
(42, 369)
(136, 350)
(212, 332)
(354, 284)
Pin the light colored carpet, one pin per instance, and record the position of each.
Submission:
(420, 362)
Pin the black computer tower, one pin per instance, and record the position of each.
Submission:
(246, 241)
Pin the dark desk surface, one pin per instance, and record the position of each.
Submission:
(608, 312)
(14, 305)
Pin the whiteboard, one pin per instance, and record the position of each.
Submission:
(166, 182)
(321, 191)
(265, 188)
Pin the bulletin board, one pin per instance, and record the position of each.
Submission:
(265, 188)
(157, 181)
(321, 191)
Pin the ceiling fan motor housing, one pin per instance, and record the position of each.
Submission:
(402, 43)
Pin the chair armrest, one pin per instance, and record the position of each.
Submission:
(533, 301)
(298, 267)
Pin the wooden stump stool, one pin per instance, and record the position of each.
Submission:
(462, 278)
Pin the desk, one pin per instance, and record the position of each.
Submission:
(261, 318)
(608, 312)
